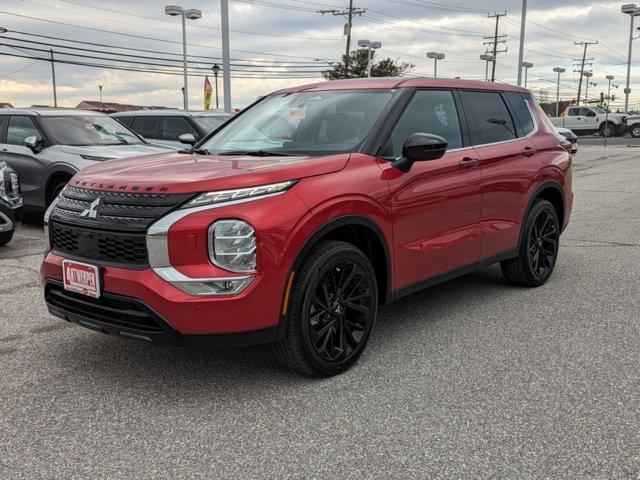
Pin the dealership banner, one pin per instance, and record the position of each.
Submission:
(207, 93)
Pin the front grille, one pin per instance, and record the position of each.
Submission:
(116, 234)
(111, 309)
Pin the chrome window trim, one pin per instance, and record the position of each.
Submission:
(158, 247)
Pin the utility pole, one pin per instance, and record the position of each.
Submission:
(53, 77)
(523, 23)
(587, 74)
(496, 39)
(348, 14)
(584, 59)
(226, 57)
(606, 119)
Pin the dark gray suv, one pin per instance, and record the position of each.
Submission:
(46, 147)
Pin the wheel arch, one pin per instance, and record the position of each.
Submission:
(551, 191)
(360, 231)
(55, 178)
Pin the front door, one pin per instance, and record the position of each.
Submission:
(436, 205)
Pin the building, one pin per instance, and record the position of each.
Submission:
(112, 107)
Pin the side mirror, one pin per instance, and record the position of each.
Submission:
(33, 143)
(187, 138)
(420, 147)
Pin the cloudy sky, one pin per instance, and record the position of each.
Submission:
(276, 43)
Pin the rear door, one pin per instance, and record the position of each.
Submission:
(29, 165)
(146, 126)
(502, 146)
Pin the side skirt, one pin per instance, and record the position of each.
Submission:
(444, 277)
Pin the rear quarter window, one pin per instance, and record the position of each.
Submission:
(519, 107)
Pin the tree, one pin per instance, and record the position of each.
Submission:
(358, 66)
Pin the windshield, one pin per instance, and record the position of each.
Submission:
(307, 123)
(209, 124)
(86, 130)
(599, 110)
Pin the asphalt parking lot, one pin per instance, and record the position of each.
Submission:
(470, 379)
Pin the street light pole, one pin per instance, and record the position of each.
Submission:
(53, 78)
(527, 66)
(191, 14)
(523, 23)
(436, 56)
(216, 71)
(586, 89)
(100, 88)
(487, 57)
(632, 10)
(558, 70)
(606, 116)
(369, 45)
(226, 57)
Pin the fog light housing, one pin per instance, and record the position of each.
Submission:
(232, 245)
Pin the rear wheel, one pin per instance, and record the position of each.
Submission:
(607, 130)
(5, 237)
(538, 249)
(331, 312)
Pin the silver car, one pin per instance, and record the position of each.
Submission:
(46, 147)
(173, 127)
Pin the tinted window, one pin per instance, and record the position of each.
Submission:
(20, 128)
(430, 111)
(209, 124)
(488, 117)
(521, 110)
(173, 127)
(145, 126)
(574, 112)
(125, 120)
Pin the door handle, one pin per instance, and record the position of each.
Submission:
(529, 152)
(468, 162)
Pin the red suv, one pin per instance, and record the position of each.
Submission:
(297, 219)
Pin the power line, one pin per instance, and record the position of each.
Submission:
(348, 14)
(496, 39)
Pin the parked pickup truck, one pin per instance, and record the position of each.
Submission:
(591, 120)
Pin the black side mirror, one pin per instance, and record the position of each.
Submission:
(187, 138)
(420, 147)
(33, 143)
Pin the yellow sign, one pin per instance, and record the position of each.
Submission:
(207, 93)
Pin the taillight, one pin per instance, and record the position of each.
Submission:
(566, 144)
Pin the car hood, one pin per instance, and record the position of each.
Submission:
(115, 151)
(192, 173)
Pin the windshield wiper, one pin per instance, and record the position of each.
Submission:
(257, 153)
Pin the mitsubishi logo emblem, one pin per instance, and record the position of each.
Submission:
(92, 211)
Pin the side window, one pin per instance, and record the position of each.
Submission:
(586, 112)
(574, 112)
(21, 127)
(521, 111)
(429, 111)
(173, 127)
(145, 126)
(488, 117)
(125, 120)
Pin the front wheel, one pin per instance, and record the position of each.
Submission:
(331, 311)
(5, 237)
(538, 248)
(635, 130)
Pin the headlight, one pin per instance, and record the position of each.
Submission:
(232, 245)
(224, 196)
(15, 183)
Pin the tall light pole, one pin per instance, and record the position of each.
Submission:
(633, 11)
(487, 57)
(191, 14)
(370, 46)
(523, 23)
(606, 116)
(527, 66)
(216, 71)
(226, 56)
(53, 78)
(588, 74)
(436, 56)
(558, 70)
(100, 88)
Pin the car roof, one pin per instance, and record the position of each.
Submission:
(172, 112)
(47, 112)
(377, 83)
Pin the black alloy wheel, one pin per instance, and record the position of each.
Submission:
(538, 250)
(331, 310)
(543, 244)
(339, 311)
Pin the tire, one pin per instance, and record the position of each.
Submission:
(55, 191)
(608, 130)
(5, 237)
(326, 333)
(538, 249)
(634, 130)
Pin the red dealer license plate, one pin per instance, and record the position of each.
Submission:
(81, 278)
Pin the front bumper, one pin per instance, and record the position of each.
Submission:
(10, 215)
